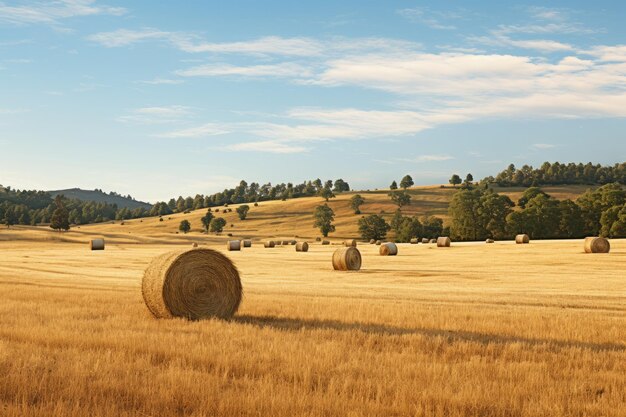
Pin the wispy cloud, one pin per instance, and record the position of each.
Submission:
(157, 115)
(269, 146)
(282, 70)
(433, 158)
(542, 146)
(160, 81)
(206, 130)
(52, 12)
(432, 19)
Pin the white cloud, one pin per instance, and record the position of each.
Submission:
(433, 158)
(206, 130)
(157, 115)
(430, 18)
(33, 12)
(283, 70)
(543, 146)
(159, 81)
(270, 146)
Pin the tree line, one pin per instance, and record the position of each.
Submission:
(559, 174)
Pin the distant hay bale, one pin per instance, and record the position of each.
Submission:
(217, 210)
(325, 242)
(97, 244)
(269, 244)
(247, 243)
(350, 242)
(293, 242)
(229, 234)
(443, 242)
(425, 240)
(379, 242)
(372, 241)
(232, 245)
(597, 245)
(194, 284)
(432, 241)
(414, 241)
(302, 247)
(285, 242)
(489, 241)
(347, 259)
(278, 242)
(318, 239)
(388, 249)
(194, 245)
(519, 239)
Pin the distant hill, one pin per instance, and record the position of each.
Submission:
(99, 196)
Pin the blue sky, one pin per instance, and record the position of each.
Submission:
(157, 99)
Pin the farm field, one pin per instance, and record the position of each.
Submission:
(475, 329)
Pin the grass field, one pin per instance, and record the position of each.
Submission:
(471, 330)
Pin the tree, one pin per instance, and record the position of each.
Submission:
(373, 227)
(528, 195)
(341, 186)
(217, 224)
(355, 202)
(469, 178)
(401, 198)
(432, 226)
(464, 210)
(393, 186)
(326, 193)
(184, 226)
(61, 217)
(571, 224)
(324, 217)
(206, 220)
(455, 180)
(406, 182)
(410, 228)
(242, 211)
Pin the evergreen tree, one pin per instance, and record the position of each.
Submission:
(393, 186)
(61, 217)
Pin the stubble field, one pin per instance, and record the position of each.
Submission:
(475, 329)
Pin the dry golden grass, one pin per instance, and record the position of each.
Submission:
(475, 329)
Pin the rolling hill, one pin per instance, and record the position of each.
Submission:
(100, 197)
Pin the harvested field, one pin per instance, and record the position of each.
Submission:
(428, 332)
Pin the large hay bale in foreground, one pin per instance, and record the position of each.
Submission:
(443, 242)
(350, 242)
(489, 241)
(347, 259)
(194, 284)
(519, 239)
(302, 247)
(325, 242)
(388, 249)
(425, 240)
(233, 245)
(414, 241)
(269, 244)
(247, 243)
(597, 245)
(97, 244)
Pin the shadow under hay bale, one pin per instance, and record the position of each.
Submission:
(347, 259)
(96, 244)
(302, 247)
(233, 245)
(443, 242)
(521, 239)
(388, 249)
(193, 284)
(597, 245)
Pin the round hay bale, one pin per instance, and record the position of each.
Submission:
(194, 284)
(232, 245)
(269, 244)
(347, 259)
(519, 239)
(443, 242)
(293, 242)
(489, 241)
(432, 241)
(247, 243)
(318, 239)
(278, 242)
(97, 244)
(302, 247)
(388, 249)
(350, 242)
(325, 242)
(425, 240)
(597, 245)
(285, 242)
(414, 241)
(379, 242)
(372, 241)
(194, 245)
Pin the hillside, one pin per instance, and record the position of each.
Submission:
(100, 197)
(274, 219)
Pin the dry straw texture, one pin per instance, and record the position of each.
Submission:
(247, 243)
(347, 259)
(522, 239)
(97, 244)
(232, 245)
(302, 247)
(194, 284)
(350, 242)
(443, 242)
(388, 249)
(489, 241)
(269, 244)
(597, 245)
